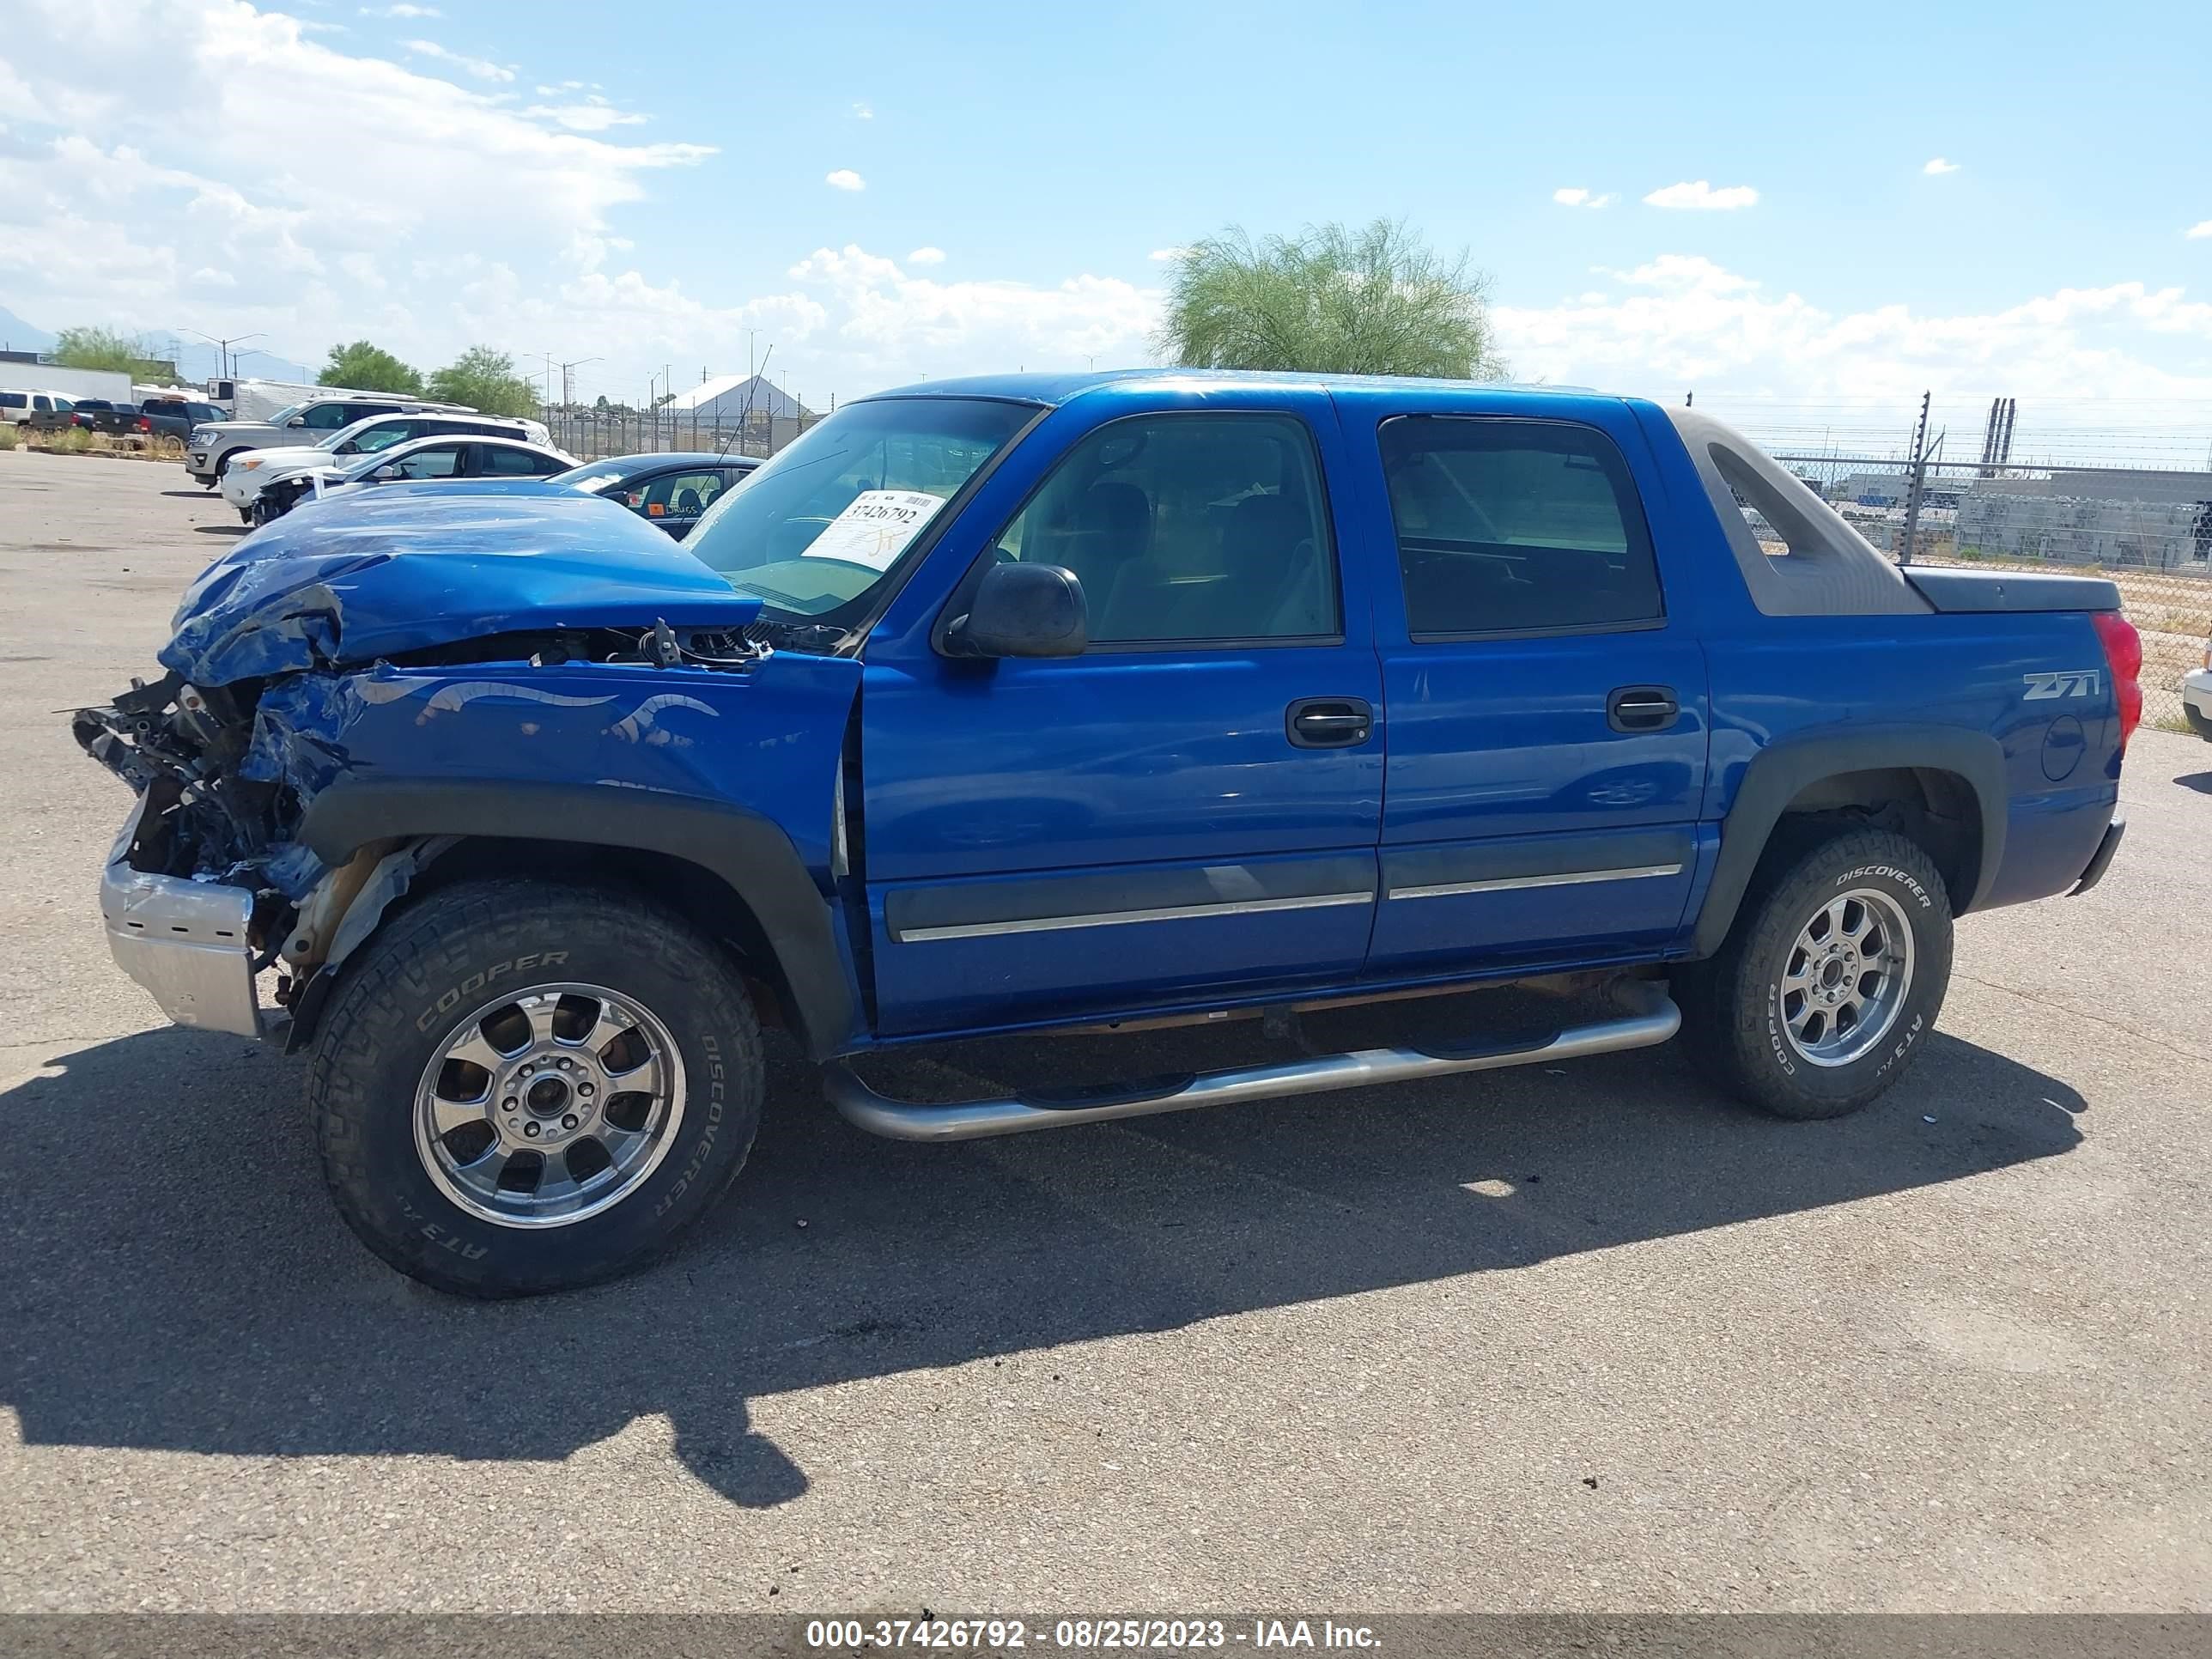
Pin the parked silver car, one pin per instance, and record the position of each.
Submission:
(212, 448)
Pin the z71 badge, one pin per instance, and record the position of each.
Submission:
(2067, 682)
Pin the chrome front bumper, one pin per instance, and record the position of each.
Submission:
(184, 941)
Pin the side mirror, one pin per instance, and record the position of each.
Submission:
(297, 420)
(1023, 611)
(385, 474)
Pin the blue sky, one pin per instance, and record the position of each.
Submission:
(645, 191)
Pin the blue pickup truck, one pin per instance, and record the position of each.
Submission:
(1027, 702)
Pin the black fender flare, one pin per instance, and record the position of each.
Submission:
(745, 850)
(1778, 773)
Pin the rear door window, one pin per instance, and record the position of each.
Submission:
(1508, 527)
(501, 462)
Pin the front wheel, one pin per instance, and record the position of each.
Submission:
(1834, 971)
(2200, 723)
(521, 1088)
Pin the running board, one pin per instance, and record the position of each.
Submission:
(1650, 1017)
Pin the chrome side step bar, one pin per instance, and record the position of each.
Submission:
(1648, 1016)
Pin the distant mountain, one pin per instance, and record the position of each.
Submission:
(199, 363)
(17, 335)
(196, 364)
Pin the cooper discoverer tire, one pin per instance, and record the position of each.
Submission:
(610, 1033)
(1834, 973)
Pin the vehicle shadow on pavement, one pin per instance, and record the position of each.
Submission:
(2200, 781)
(220, 529)
(172, 1276)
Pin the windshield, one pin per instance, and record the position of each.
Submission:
(816, 530)
(365, 435)
(284, 413)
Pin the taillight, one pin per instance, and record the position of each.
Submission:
(145, 425)
(2124, 657)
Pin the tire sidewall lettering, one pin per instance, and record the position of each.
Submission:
(1887, 873)
(1776, 1043)
(450, 998)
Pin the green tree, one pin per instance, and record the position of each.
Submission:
(105, 348)
(485, 379)
(1378, 300)
(366, 367)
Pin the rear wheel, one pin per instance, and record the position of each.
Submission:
(521, 1088)
(2200, 723)
(1834, 971)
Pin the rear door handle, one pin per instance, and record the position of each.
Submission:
(1641, 708)
(1329, 722)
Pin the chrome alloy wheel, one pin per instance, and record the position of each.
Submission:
(549, 1105)
(1846, 977)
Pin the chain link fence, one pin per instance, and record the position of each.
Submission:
(593, 434)
(2148, 529)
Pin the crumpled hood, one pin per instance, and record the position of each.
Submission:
(401, 568)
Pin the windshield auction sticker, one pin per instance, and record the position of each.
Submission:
(876, 528)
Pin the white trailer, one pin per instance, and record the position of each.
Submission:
(72, 383)
(257, 400)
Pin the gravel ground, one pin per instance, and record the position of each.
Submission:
(1533, 1339)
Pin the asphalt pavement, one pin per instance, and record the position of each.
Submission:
(1587, 1337)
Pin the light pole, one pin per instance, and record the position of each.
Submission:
(224, 346)
(566, 399)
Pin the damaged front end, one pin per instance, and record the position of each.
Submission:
(310, 654)
(187, 905)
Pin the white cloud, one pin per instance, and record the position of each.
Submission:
(1575, 197)
(401, 10)
(1701, 196)
(1680, 321)
(481, 68)
(926, 256)
(882, 325)
(845, 179)
(1163, 255)
(594, 114)
(2198, 232)
(864, 112)
(1938, 165)
(120, 213)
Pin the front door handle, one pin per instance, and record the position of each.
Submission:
(1329, 722)
(1641, 708)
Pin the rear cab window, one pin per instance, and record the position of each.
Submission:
(1506, 525)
